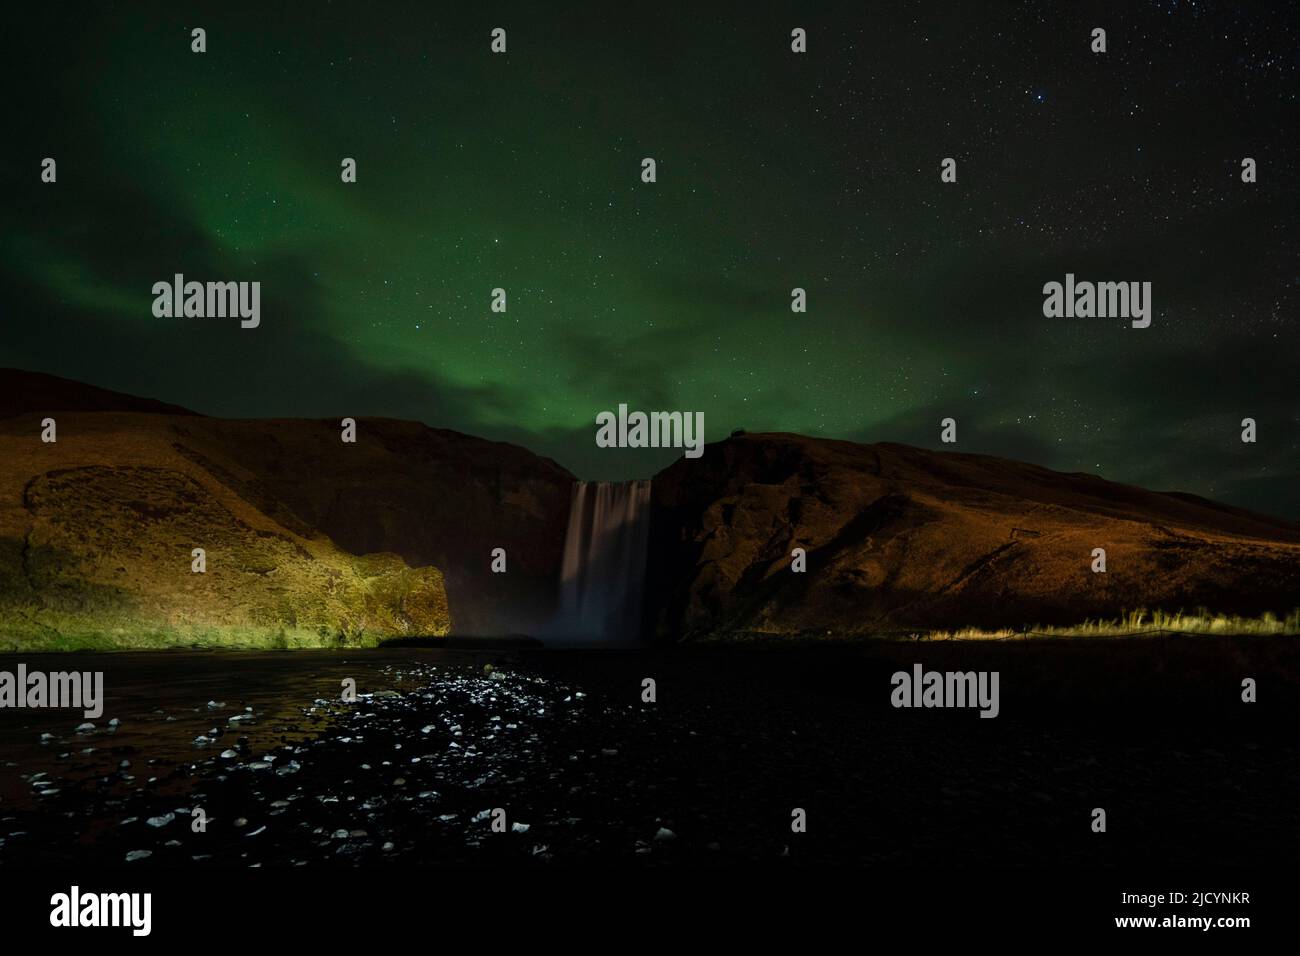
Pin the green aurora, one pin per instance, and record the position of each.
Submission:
(775, 171)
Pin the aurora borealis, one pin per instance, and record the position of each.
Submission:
(775, 171)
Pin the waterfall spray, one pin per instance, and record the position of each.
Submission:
(603, 574)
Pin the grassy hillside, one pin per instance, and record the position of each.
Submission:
(96, 539)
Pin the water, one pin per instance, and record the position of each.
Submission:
(603, 573)
(566, 742)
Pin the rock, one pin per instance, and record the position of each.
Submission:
(663, 835)
(134, 855)
(161, 821)
(904, 538)
(88, 501)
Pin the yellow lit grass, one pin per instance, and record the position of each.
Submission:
(1136, 624)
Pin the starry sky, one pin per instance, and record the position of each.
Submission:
(775, 171)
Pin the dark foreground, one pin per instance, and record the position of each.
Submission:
(1154, 731)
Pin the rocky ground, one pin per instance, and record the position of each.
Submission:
(587, 773)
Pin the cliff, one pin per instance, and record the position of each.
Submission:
(309, 540)
(898, 539)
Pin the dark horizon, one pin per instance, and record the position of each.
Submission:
(672, 454)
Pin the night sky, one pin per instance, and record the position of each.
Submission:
(775, 170)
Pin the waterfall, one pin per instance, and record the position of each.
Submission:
(604, 562)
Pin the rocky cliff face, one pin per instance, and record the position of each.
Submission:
(107, 560)
(308, 540)
(431, 496)
(898, 539)
(312, 540)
